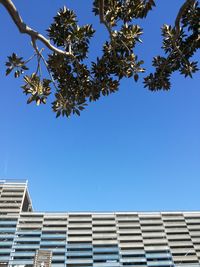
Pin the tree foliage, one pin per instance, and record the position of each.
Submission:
(75, 83)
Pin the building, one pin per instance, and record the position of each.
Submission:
(111, 239)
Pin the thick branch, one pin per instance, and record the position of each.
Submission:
(180, 14)
(23, 28)
(101, 11)
(102, 18)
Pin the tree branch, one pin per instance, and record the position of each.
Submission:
(40, 56)
(180, 14)
(102, 18)
(183, 8)
(23, 28)
(101, 11)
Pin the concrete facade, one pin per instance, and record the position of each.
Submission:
(111, 239)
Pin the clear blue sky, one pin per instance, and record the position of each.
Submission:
(133, 150)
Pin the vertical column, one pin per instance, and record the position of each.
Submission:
(27, 239)
(105, 241)
(54, 237)
(79, 240)
(154, 238)
(179, 240)
(130, 240)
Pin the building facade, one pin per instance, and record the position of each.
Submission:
(111, 239)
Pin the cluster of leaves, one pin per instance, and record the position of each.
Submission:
(73, 81)
(118, 56)
(15, 63)
(71, 75)
(123, 10)
(77, 83)
(179, 46)
(37, 89)
(66, 33)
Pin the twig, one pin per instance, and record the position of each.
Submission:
(38, 67)
(30, 58)
(47, 67)
(40, 56)
(35, 46)
(23, 28)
